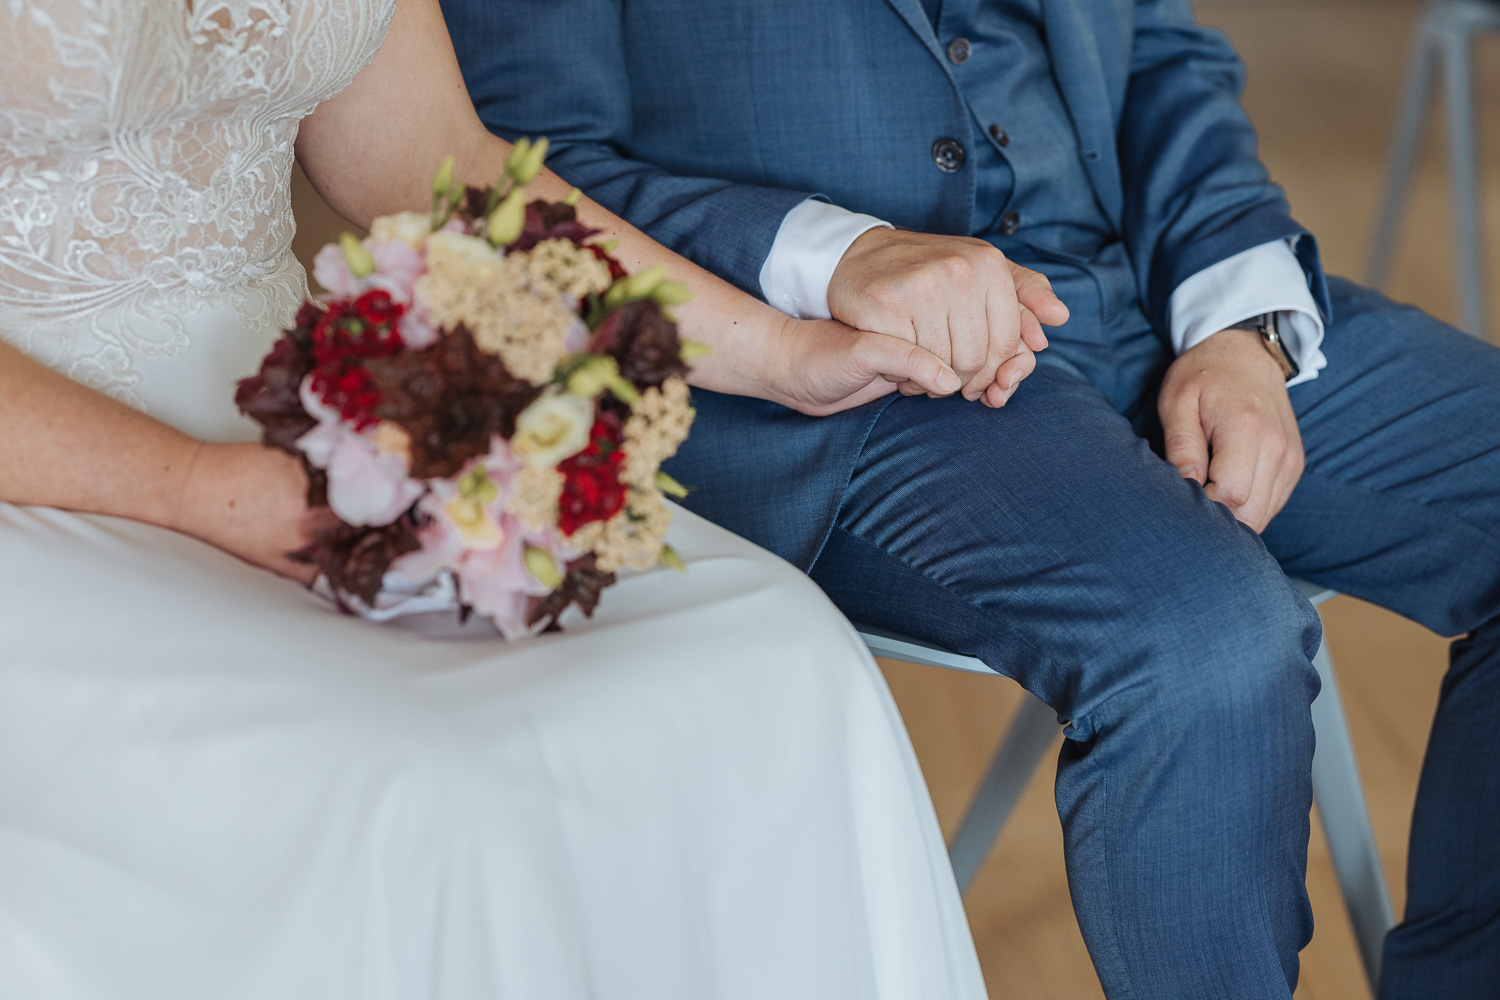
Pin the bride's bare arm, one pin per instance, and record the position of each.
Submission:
(374, 148)
(68, 446)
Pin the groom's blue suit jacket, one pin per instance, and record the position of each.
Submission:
(704, 122)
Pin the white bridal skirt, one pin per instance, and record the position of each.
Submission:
(214, 786)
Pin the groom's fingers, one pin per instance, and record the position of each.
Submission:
(1034, 291)
(1031, 331)
(1185, 441)
(1009, 377)
(904, 363)
(1001, 335)
(955, 296)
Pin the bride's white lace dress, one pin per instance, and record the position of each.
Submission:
(211, 785)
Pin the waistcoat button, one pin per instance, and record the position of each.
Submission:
(959, 50)
(1009, 223)
(948, 154)
(1000, 135)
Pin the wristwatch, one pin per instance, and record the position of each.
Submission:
(1265, 325)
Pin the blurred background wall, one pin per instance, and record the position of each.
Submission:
(1324, 82)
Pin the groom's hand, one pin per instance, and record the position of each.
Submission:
(1230, 426)
(956, 297)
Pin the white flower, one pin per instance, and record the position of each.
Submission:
(411, 228)
(446, 248)
(554, 427)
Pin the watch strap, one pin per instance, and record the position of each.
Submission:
(1265, 324)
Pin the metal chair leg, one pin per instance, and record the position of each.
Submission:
(1403, 156)
(1030, 734)
(1457, 42)
(1340, 801)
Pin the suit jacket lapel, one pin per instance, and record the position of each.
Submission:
(1080, 78)
(916, 18)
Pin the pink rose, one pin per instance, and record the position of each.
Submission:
(331, 270)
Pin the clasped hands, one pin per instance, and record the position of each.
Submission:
(922, 314)
(941, 315)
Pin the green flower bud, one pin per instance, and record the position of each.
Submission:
(508, 219)
(443, 182)
(641, 284)
(672, 293)
(692, 350)
(671, 560)
(610, 246)
(517, 154)
(531, 164)
(540, 564)
(623, 389)
(670, 486)
(571, 198)
(476, 485)
(589, 379)
(615, 295)
(361, 262)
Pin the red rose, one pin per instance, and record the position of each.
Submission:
(378, 309)
(592, 490)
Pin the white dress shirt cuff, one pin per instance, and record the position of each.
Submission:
(807, 250)
(1263, 279)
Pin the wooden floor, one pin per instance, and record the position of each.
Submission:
(1322, 90)
(1323, 84)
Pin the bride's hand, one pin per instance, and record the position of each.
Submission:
(251, 501)
(824, 367)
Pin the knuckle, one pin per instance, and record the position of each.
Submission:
(885, 295)
(1252, 423)
(1235, 494)
(953, 270)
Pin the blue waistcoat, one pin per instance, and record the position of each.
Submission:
(1032, 193)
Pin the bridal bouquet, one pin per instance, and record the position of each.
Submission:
(484, 400)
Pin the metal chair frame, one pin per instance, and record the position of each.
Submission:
(1337, 790)
(1444, 40)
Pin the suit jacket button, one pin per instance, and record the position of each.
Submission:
(1009, 223)
(948, 154)
(959, 50)
(1000, 135)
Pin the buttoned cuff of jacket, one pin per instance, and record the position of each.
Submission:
(807, 250)
(1263, 279)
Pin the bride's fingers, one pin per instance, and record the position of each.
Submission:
(912, 368)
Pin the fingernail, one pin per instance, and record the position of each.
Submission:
(1013, 379)
(949, 381)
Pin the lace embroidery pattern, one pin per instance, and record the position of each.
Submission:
(146, 150)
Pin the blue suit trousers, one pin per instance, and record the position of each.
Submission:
(1050, 540)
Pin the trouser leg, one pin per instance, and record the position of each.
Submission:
(1046, 539)
(1400, 505)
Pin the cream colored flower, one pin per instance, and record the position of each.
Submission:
(564, 268)
(632, 538)
(534, 492)
(446, 248)
(469, 510)
(466, 282)
(659, 423)
(555, 426)
(412, 228)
